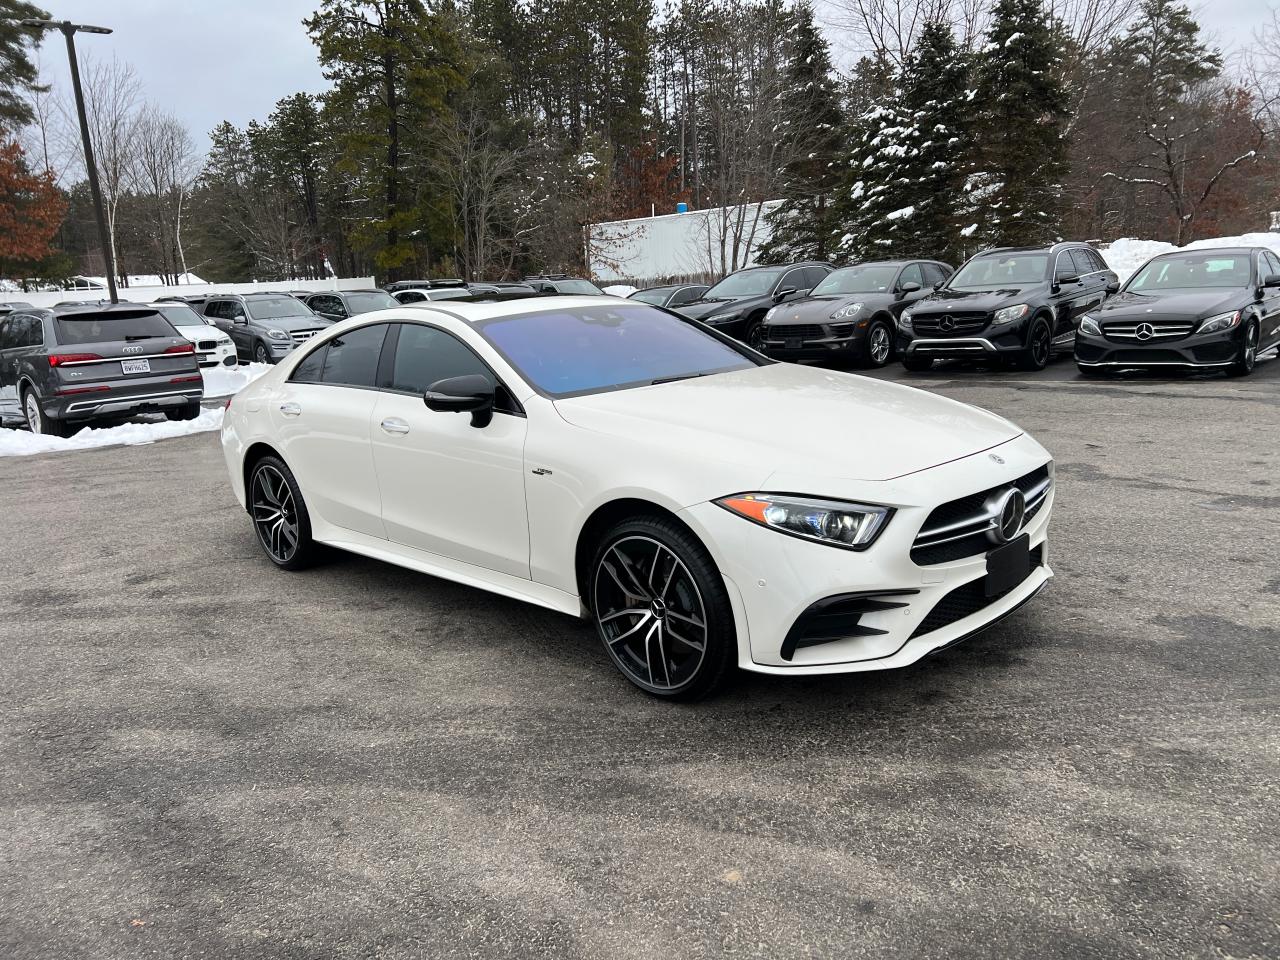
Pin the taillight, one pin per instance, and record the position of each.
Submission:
(71, 390)
(196, 379)
(58, 359)
(181, 348)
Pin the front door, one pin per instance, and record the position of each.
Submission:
(447, 487)
(1269, 331)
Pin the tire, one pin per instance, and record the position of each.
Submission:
(877, 345)
(1247, 359)
(38, 422)
(260, 352)
(187, 412)
(1039, 349)
(754, 335)
(634, 615)
(278, 513)
(917, 364)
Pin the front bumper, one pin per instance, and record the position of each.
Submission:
(774, 579)
(1209, 350)
(980, 345)
(223, 355)
(824, 347)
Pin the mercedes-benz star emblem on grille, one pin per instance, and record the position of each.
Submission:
(946, 323)
(1007, 508)
(134, 349)
(1145, 331)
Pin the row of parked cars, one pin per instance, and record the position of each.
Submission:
(1016, 306)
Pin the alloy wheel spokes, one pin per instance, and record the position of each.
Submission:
(273, 511)
(650, 612)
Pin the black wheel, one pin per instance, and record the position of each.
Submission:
(877, 345)
(755, 335)
(1247, 358)
(661, 609)
(38, 421)
(188, 412)
(280, 516)
(917, 364)
(260, 352)
(1039, 347)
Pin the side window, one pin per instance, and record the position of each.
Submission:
(1272, 264)
(214, 309)
(793, 281)
(426, 354)
(911, 273)
(32, 334)
(934, 274)
(6, 333)
(352, 359)
(814, 276)
(309, 370)
(411, 296)
(1064, 267)
(1083, 262)
(1096, 258)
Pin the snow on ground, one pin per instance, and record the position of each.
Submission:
(1127, 255)
(620, 290)
(218, 383)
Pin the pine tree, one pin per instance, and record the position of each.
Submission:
(1015, 194)
(18, 75)
(803, 224)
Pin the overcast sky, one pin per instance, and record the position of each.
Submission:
(212, 60)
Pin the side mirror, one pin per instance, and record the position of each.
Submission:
(784, 293)
(472, 394)
(1114, 287)
(240, 320)
(909, 287)
(1272, 280)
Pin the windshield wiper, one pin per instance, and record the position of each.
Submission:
(682, 376)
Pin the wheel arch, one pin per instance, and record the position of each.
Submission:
(252, 456)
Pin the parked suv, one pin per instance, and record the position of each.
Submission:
(553, 283)
(340, 304)
(264, 326)
(851, 314)
(670, 295)
(737, 304)
(1020, 305)
(213, 347)
(1217, 308)
(64, 367)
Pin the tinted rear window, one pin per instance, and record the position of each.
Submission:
(103, 328)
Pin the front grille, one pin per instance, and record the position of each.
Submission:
(963, 324)
(206, 345)
(958, 528)
(968, 599)
(796, 331)
(302, 336)
(1145, 331)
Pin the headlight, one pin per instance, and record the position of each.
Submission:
(848, 311)
(1010, 314)
(904, 322)
(768, 314)
(277, 335)
(836, 522)
(1222, 322)
(722, 318)
(1090, 325)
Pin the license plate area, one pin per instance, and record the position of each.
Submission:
(793, 343)
(1008, 565)
(135, 366)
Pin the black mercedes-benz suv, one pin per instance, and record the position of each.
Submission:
(64, 367)
(1019, 305)
(737, 304)
(850, 315)
(1212, 309)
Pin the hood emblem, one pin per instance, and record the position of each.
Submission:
(946, 323)
(996, 457)
(1007, 508)
(1145, 331)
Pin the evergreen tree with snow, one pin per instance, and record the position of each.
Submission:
(874, 205)
(1014, 195)
(813, 122)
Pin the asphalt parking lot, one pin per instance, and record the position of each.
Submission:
(205, 757)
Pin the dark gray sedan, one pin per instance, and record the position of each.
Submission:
(850, 315)
(67, 366)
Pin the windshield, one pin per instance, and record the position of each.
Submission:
(1190, 271)
(277, 307)
(565, 353)
(180, 315)
(862, 279)
(102, 328)
(367, 302)
(578, 286)
(1000, 271)
(748, 283)
(657, 297)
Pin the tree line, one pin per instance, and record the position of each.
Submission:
(478, 139)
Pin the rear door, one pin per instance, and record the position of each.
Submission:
(322, 416)
(1269, 331)
(8, 365)
(447, 487)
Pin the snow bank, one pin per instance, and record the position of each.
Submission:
(620, 290)
(1127, 255)
(218, 383)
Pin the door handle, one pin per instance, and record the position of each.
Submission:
(290, 409)
(395, 425)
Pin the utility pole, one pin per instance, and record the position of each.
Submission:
(69, 30)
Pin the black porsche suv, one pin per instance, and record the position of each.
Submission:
(65, 367)
(737, 304)
(1194, 309)
(1017, 305)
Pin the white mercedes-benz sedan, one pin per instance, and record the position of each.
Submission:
(703, 505)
